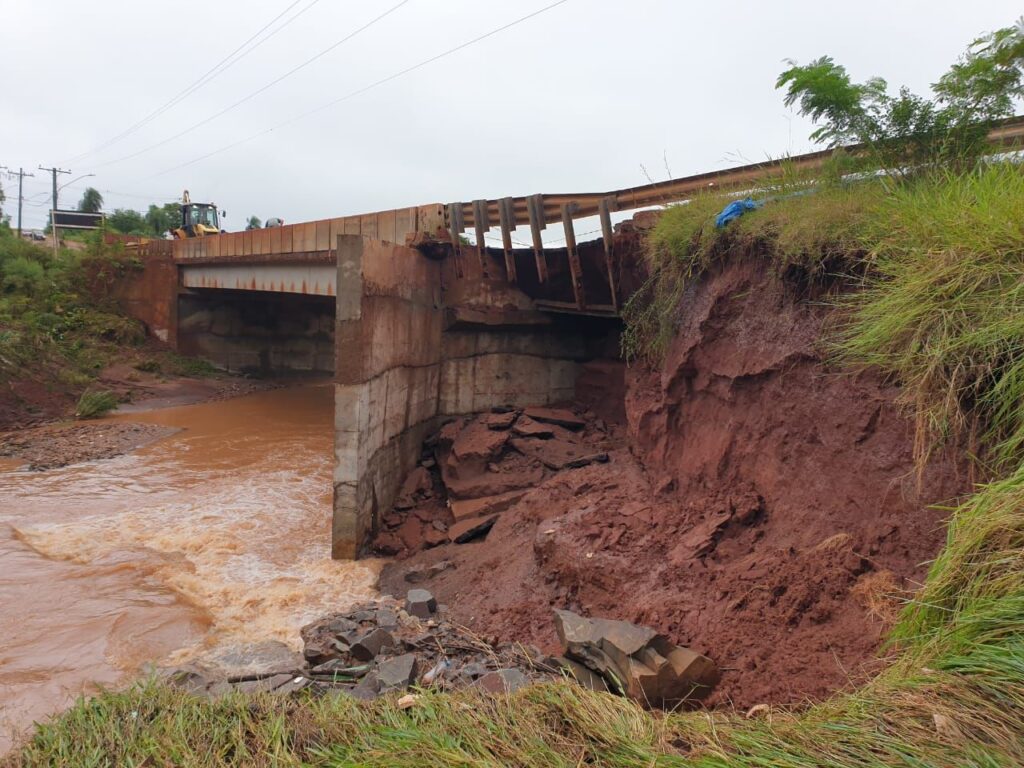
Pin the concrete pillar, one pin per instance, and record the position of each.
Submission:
(387, 376)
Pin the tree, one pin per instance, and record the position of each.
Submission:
(162, 219)
(128, 222)
(908, 131)
(91, 202)
(254, 223)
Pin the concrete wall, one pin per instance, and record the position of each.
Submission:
(388, 367)
(259, 333)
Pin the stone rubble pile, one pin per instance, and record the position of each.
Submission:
(475, 468)
(390, 646)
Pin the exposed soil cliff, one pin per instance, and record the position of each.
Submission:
(761, 510)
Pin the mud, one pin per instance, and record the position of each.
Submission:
(759, 507)
(52, 446)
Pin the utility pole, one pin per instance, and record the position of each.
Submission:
(21, 180)
(53, 211)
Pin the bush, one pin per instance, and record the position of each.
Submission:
(94, 404)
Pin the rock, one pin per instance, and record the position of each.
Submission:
(467, 530)
(425, 572)
(581, 674)
(527, 427)
(369, 645)
(387, 618)
(503, 681)
(434, 537)
(388, 544)
(190, 679)
(559, 454)
(367, 689)
(420, 603)
(478, 444)
(500, 420)
(473, 670)
(398, 672)
(340, 669)
(469, 508)
(636, 660)
(265, 684)
(559, 416)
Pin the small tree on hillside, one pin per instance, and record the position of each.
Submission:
(254, 223)
(91, 202)
(907, 130)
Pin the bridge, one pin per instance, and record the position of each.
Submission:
(414, 323)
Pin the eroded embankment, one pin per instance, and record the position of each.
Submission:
(760, 506)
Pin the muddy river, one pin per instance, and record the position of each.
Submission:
(215, 538)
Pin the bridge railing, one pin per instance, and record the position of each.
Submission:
(311, 240)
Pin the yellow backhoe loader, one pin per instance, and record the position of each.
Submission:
(197, 219)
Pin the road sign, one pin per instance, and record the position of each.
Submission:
(76, 219)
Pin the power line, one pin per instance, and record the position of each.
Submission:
(363, 90)
(258, 91)
(220, 67)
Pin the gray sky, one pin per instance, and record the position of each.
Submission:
(575, 99)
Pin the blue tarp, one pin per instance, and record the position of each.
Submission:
(736, 209)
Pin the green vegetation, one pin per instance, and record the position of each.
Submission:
(94, 404)
(91, 202)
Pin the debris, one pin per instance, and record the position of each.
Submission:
(503, 681)
(467, 530)
(420, 603)
(469, 508)
(425, 572)
(636, 660)
(559, 454)
(408, 700)
(527, 427)
(370, 644)
(500, 420)
(398, 672)
(559, 416)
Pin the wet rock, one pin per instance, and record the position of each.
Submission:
(190, 679)
(265, 684)
(503, 681)
(559, 416)
(425, 572)
(370, 644)
(397, 672)
(420, 603)
(467, 530)
(367, 689)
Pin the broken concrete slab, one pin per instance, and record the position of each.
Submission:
(467, 509)
(368, 646)
(397, 673)
(636, 660)
(467, 530)
(559, 454)
(560, 416)
(420, 603)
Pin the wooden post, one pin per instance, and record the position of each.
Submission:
(506, 216)
(535, 209)
(574, 258)
(604, 211)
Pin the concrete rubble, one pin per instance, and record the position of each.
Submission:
(474, 468)
(391, 646)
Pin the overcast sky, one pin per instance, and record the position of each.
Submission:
(574, 99)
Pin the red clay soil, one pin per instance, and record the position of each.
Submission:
(756, 508)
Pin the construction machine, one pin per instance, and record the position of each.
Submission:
(197, 219)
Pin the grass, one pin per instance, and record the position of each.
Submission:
(92, 405)
(938, 263)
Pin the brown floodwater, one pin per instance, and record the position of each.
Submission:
(211, 540)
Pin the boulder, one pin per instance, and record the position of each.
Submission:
(420, 603)
(466, 509)
(424, 572)
(527, 427)
(499, 421)
(467, 530)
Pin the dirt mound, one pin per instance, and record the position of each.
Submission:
(759, 511)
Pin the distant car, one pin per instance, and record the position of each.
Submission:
(274, 222)
(37, 236)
